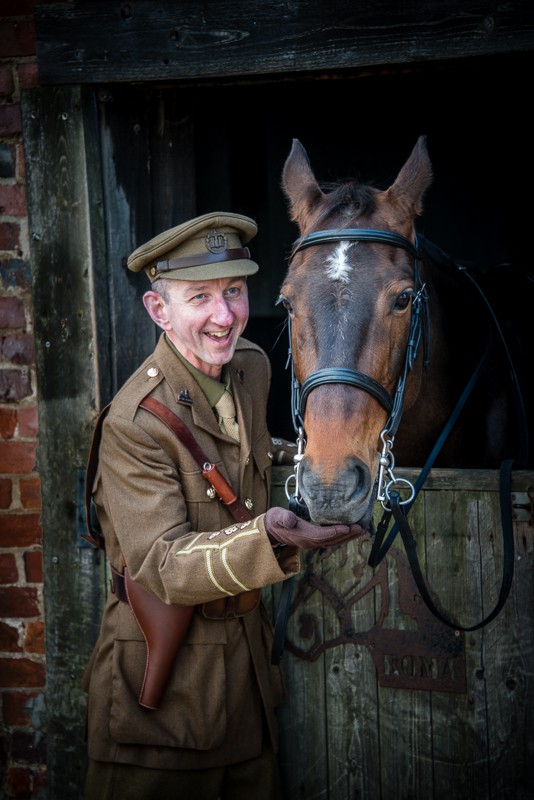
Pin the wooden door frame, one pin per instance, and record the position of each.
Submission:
(68, 260)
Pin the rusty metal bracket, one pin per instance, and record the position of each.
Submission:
(523, 506)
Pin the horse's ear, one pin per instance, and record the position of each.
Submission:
(414, 178)
(299, 185)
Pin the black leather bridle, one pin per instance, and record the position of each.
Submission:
(392, 404)
(388, 490)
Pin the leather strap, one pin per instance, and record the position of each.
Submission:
(508, 552)
(224, 491)
(203, 258)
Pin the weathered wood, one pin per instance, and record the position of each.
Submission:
(82, 42)
(62, 169)
(146, 155)
(385, 741)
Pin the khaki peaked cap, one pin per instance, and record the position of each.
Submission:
(207, 247)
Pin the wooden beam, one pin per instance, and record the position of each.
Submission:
(68, 259)
(94, 42)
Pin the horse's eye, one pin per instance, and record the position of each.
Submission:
(285, 302)
(402, 300)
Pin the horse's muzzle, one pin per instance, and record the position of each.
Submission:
(344, 498)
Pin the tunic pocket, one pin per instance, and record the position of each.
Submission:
(192, 713)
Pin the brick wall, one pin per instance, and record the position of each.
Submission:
(22, 629)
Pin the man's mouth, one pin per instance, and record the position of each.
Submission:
(219, 335)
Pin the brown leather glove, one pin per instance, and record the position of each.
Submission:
(284, 527)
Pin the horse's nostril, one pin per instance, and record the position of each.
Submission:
(361, 484)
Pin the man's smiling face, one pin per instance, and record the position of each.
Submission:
(203, 319)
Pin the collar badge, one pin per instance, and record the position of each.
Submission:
(185, 397)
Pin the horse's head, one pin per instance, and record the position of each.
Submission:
(349, 300)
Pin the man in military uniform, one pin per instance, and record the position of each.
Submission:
(209, 731)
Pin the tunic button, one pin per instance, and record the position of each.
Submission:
(249, 504)
(152, 372)
(269, 454)
(247, 460)
(211, 493)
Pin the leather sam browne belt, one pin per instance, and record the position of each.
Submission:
(222, 608)
(165, 626)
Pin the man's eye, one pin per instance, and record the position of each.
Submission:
(233, 291)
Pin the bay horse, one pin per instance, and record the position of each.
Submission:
(385, 332)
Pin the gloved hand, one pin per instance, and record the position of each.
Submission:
(283, 526)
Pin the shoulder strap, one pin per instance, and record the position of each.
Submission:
(224, 491)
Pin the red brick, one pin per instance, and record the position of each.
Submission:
(12, 313)
(19, 782)
(15, 385)
(28, 76)
(6, 492)
(30, 492)
(17, 707)
(9, 235)
(9, 638)
(34, 641)
(19, 601)
(33, 562)
(17, 39)
(20, 530)
(6, 81)
(21, 672)
(10, 119)
(8, 568)
(28, 422)
(26, 747)
(12, 198)
(8, 422)
(17, 457)
(18, 348)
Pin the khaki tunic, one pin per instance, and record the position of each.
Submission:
(184, 546)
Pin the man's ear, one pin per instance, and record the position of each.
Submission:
(157, 309)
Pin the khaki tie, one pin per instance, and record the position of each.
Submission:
(225, 409)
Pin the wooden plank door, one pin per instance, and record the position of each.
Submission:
(384, 700)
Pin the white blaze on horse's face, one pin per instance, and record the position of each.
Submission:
(338, 267)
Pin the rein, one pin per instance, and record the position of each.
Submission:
(387, 484)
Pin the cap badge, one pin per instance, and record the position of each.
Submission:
(216, 242)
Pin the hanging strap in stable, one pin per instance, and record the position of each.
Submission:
(379, 550)
(508, 551)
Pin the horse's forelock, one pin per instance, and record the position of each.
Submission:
(349, 197)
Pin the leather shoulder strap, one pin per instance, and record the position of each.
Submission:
(224, 491)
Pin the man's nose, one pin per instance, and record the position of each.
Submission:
(222, 313)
